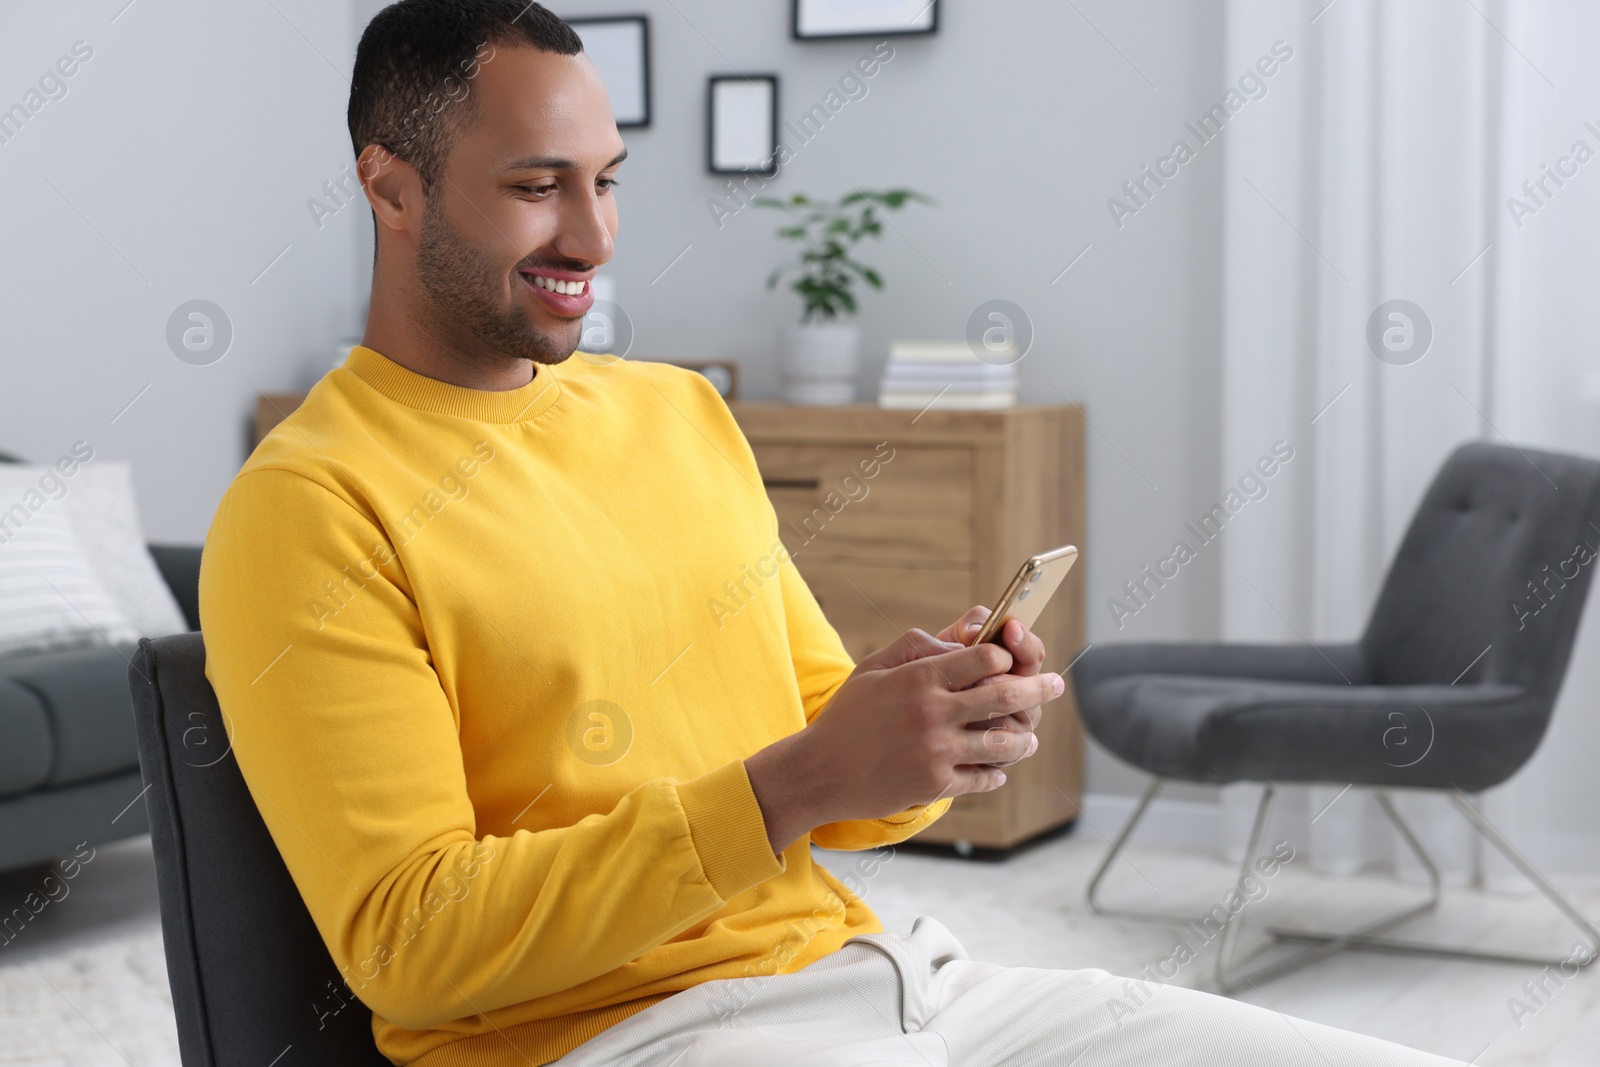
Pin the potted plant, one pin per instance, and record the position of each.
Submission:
(819, 357)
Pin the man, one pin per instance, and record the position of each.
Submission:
(540, 801)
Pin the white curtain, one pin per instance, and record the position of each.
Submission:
(1378, 167)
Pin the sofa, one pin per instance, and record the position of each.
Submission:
(69, 764)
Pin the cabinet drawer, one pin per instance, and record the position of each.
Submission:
(918, 506)
(871, 605)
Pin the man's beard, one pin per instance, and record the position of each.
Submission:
(465, 288)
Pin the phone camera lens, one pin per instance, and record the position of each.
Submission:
(1036, 576)
(1024, 594)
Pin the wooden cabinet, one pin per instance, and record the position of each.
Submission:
(940, 525)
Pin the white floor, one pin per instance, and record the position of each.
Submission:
(84, 985)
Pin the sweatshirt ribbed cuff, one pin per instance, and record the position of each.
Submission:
(929, 812)
(728, 830)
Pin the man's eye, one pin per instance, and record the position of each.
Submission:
(605, 185)
(536, 190)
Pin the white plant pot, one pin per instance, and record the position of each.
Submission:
(818, 363)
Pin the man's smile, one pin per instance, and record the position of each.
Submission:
(567, 293)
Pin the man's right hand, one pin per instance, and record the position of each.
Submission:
(897, 734)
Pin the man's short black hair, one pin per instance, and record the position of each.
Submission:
(411, 90)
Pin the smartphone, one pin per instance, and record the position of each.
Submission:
(1029, 591)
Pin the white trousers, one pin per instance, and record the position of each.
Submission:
(918, 1001)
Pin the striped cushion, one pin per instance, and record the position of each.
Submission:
(49, 595)
(100, 505)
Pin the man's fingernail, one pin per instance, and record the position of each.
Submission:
(1057, 685)
(973, 627)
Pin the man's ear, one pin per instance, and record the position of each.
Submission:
(393, 188)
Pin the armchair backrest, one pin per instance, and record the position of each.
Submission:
(250, 975)
(1498, 557)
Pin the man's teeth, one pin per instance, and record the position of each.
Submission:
(564, 288)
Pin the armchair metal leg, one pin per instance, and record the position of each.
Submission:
(1520, 862)
(1325, 944)
(1230, 932)
(1093, 894)
(1225, 959)
(1369, 936)
(1368, 939)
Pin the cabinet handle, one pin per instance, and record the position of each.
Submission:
(791, 483)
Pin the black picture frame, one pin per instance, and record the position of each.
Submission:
(771, 154)
(631, 120)
(887, 31)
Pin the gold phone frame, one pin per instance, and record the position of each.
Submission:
(1042, 573)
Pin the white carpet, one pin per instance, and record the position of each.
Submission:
(100, 1005)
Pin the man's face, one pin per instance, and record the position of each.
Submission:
(523, 207)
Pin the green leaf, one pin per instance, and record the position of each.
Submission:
(894, 199)
(823, 272)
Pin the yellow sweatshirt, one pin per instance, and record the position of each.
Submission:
(492, 662)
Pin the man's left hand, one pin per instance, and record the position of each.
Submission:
(1027, 654)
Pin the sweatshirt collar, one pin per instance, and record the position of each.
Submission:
(429, 394)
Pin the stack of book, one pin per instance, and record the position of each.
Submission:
(946, 375)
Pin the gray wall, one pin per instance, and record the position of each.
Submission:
(192, 140)
(183, 151)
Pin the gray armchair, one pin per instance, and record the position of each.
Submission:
(1449, 689)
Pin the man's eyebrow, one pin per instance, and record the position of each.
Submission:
(557, 163)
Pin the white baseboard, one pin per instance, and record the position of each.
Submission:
(1168, 822)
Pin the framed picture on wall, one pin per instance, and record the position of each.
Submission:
(619, 47)
(825, 19)
(742, 124)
